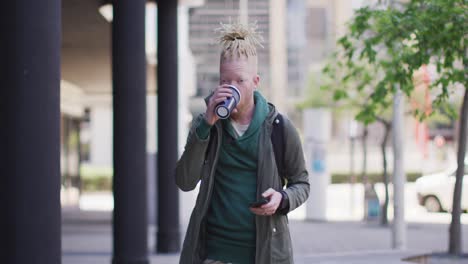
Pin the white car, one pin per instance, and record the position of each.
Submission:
(435, 191)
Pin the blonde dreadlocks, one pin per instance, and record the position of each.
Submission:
(237, 40)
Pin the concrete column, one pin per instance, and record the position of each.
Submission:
(278, 54)
(317, 130)
(168, 230)
(130, 226)
(187, 81)
(244, 11)
(30, 131)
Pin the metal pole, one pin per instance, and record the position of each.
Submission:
(168, 230)
(30, 137)
(130, 227)
(399, 177)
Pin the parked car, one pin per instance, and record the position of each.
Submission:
(435, 191)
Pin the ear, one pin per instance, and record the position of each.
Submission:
(256, 80)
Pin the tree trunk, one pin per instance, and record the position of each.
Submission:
(383, 148)
(352, 177)
(364, 157)
(455, 238)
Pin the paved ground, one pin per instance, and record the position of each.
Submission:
(343, 239)
(87, 240)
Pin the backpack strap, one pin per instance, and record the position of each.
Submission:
(277, 140)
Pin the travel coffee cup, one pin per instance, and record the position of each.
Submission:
(223, 110)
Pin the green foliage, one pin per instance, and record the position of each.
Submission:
(385, 46)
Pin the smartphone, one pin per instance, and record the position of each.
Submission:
(259, 203)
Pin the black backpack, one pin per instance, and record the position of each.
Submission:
(277, 140)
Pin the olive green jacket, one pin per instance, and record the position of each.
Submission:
(198, 164)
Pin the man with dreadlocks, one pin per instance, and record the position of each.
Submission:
(234, 162)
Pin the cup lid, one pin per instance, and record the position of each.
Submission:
(236, 90)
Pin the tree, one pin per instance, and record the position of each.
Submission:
(395, 42)
(335, 81)
(383, 148)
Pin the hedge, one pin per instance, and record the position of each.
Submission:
(103, 182)
(372, 177)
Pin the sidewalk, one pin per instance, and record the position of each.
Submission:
(87, 240)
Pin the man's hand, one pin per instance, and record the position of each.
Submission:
(220, 94)
(269, 208)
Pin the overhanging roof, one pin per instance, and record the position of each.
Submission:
(86, 46)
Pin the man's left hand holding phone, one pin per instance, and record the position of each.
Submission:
(268, 204)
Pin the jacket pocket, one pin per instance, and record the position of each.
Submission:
(281, 247)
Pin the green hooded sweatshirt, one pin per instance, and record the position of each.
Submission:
(230, 223)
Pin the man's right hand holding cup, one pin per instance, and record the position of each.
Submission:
(220, 94)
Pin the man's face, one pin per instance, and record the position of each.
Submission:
(242, 73)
